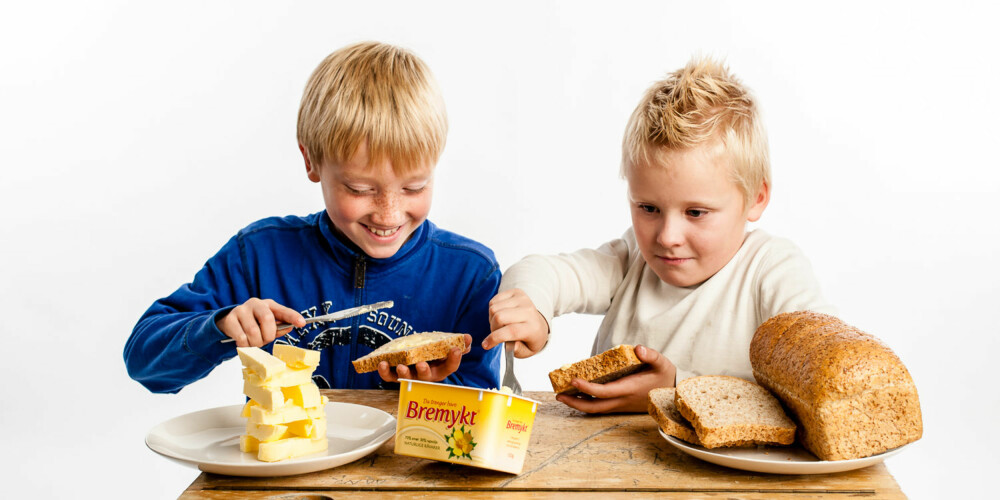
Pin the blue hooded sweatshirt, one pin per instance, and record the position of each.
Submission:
(438, 280)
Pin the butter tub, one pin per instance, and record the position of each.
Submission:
(463, 425)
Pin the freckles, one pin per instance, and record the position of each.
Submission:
(386, 203)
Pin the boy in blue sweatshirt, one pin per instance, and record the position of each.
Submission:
(371, 127)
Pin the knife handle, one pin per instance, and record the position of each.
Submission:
(278, 327)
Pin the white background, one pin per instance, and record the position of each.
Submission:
(136, 137)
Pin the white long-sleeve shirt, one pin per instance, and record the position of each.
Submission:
(704, 330)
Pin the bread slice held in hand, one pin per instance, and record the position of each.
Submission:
(602, 368)
(411, 349)
(730, 411)
(662, 409)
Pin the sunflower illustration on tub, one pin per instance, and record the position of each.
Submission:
(460, 443)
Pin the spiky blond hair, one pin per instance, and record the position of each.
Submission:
(376, 93)
(698, 104)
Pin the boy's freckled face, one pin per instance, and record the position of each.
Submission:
(688, 215)
(377, 209)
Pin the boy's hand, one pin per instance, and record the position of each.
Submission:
(627, 394)
(254, 322)
(434, 371)
(514, 318)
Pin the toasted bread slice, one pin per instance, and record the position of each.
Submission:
(605, 367)
(411, 349)
(730, 411)
(662, 409)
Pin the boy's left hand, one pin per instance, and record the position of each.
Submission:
(434, 371)
(627, 394)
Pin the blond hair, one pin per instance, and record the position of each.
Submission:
(696, 105)
(377, 94)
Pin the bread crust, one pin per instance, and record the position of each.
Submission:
(436, 349)
(850, 393)
(602, 368)
(667, 417)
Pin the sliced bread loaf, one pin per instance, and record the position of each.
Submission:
(410, 349)
(851, 395)
(662, 409)
(730, 411)
(602, 368)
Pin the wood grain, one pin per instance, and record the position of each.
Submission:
(570, 454)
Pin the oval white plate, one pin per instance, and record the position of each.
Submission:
(776, 459)
(210, 440)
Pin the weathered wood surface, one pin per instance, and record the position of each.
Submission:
(570, 454)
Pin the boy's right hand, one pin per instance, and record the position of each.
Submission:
(514, 318)
(254, 322)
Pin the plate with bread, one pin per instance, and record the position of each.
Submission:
(828, 398)
(736, 430)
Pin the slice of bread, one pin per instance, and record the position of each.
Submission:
(411, 349)
(605, 367)
(730, 411)
(662, 409)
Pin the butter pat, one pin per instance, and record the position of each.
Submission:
(245, 413)
(265, 433)
(304, 395)
(296, 357)
(248, 444)
(285, 414)
(268, 397)
(260, 362)
(284, 449)
(310, 428)
(291, 376)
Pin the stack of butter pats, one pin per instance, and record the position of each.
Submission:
(285, 416)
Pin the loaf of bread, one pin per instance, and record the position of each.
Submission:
(411, 349)
(662, 409)
(730, 411)
(850, 393)
(602, 368)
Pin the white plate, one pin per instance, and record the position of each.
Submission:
(776, 459)
(210, 440)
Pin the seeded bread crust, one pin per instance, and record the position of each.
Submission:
(752, 416)
(439, 348)
(664, 411)
(850, 393)
(605, 367)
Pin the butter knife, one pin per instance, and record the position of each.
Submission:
(336, 316)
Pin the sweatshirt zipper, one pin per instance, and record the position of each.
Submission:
(359, 284)
(359, 272)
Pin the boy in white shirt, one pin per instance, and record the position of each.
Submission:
(686, 283)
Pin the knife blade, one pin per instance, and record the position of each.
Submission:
(336, 316)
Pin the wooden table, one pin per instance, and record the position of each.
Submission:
(570, 455)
